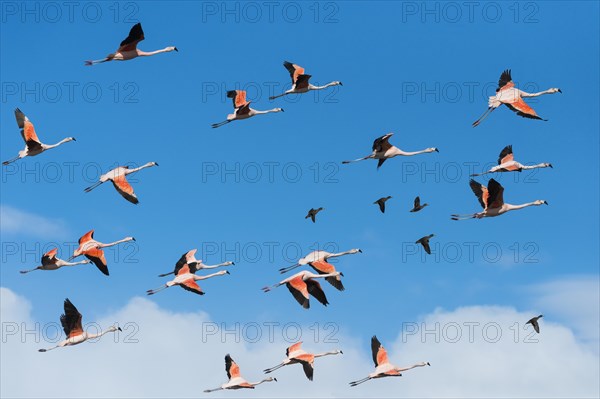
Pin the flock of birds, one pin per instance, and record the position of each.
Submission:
(303, 284)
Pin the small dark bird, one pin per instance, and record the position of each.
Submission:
(534, 323)
(313, 213)
(418, 205)
(424, 241)
(381, 203)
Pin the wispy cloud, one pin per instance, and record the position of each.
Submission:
(14, 221)
(576, 301)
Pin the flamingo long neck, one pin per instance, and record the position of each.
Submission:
(412, 367)
(65, 140)
(405, 153)
(323, 87)
(92, 336)
(312, 275)
(147, 165)
(147, 54)
(340, 254)
(207, 276)
(110, 244)
(511, 207)
(81, 262)
(541, 93)
(203, 266)
(327, 353)
(539, 165)
(268, 111)
(260, 382)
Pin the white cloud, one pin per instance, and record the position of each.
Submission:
(171, 359)
(16, 221)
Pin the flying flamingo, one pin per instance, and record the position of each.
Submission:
(383, 150)
(119, 180)
(417, 205)
(300, 82)
(51, 262)
(381, 202)
(242, 108)
(193, 264)
(507, 163)
(424, 241)
(302, 284)
(312, 214)
(318, 261)
(534, 323)
(235, 379)
(128, 48)
(187, 280)
(71, 323)
(295, 354)
(383, 368)
(92, 250)
(33, 145)
(509, 95)
(492, 201)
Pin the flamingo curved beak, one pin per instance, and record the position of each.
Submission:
(176, 49)
(560, 91)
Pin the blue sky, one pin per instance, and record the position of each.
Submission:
(424, 76)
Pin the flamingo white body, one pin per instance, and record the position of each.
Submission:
(383, 367)
(383, 150)
(128, 48)
(318, 261)
(51, 262)
(236, 381)
(33, 145)
(71, 323)
(507, 163)
(302, 284)
(491, 199)
(300, 81)
(296, 355)
(92, 250)
(189, 259)
(119, 180)
(242, 108)
(187, 280)
(509, 95)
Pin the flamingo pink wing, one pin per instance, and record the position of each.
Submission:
(124, 188)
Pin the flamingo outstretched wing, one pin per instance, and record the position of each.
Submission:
(294, 70)
(136, 35)
(378, 352)
(27, 131)
(71, 320)
(233, 370)
(124, 188)
(496, 197)
(481, 192)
